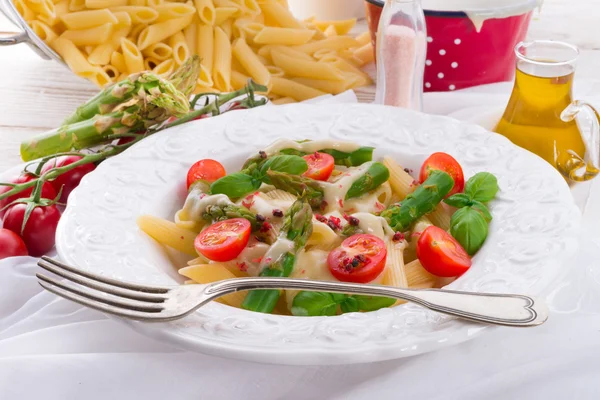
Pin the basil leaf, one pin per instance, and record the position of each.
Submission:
(483, 209)
(482, 187)
(372, 303)
(470, 228)
(235, 185)
(314, 304)
(294, 165)
(458, 200)
(349, 304)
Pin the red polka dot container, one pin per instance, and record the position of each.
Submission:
(471, 46)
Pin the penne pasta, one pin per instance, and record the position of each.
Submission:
(238, 80)
(417, 277)
(283, 36)
(150, 63)
(364, 55)
(139, 15)
(402, 183)
(328, 86)
(158, 32)
(165, 68)
(179, 47)
(283, 100)
(167, 233)
(88, 19)
(111, 71)
(323, 237)
(91, 36)
(332, 43)
(340, 27)
(190, 34)
(100, 4)
(132, 55)
(441, 217)
(248, 6)
(248, 59)
(330, 31)
(205, 43)
(303, 68)
(23, 9)
(297, 91)
(118, 61)
(281, 16)
(204, 78)
(206, 11)
(275, 71)
(394, 274)
(169, 11)
(207, 273)
(159, 51)
(221, 73)
(224, 13)
(42, 30)
(363, 38)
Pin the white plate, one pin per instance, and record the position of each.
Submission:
(532, 236)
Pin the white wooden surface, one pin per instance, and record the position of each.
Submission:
(36, 95)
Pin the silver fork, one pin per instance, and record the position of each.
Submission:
(168, 303)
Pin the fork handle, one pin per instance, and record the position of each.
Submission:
(499, 309)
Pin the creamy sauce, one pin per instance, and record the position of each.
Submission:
(373, 225)
(250, 258)
(196, 204)
(262, 204)
(336, 191)
(278, 249)
(310, 147)
(478, 11)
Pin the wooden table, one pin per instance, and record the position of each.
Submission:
(36, 95)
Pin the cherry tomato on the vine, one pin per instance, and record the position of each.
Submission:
(11, 244)
(48, 191)
(224, 240)
(360, 258)
(40, 228)
(68, 180)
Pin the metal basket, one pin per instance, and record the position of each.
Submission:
(26, 35)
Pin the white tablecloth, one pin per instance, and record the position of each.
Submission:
(53, 349)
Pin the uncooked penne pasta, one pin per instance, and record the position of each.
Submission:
(91, 36)
(165, 68)
(281, 15)
(306, 69)
(328, 86)
(139, 15)
(283, 100)
(206, 11)
(132, 55)
(330, 31)
(180, 49)
(333, 43)
(224, 13)
(248, 59)
(22, 8)
(168, 11)
(275, 71)
(364, 55)
(118, 61)
(249, 6)
(341, 27)
(167, 233)
(238, 80)
(190, 33)
(204, 78)
(221, 73)
(88, 19)
(158, 32)
(283, 36)
(100, 4)
(42, 30)
(363, 38)
(205, 43)
(288, 88)
(111, 71)
(150, 63)
(159, 51)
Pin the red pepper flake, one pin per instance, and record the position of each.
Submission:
(202, 195)
(277, 213)
(303, 271)
(341, 203)
(321, 218)
(352, 220)
(257, 260)
(334, 223)
(260, 218)
(379, 206)
(340, 186)
(266, 226)
(242, 266)
(398, 236)
(317, 155)
(268, 260)
(248, 201)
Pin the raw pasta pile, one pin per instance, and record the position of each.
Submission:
(105, 40)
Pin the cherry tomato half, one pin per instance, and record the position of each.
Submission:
(207, 170)
(444, 162)
(360, 258)
(48, 192)
(69, 180)
(224, 240)
(320, 166)
(440, 254)
(11, 244)
(39, 231)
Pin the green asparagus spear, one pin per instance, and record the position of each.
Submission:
(353, 159)
(306, 188)
(376, 175)
(422, 201)
(297, 227)
(215, 213)
(160, 101)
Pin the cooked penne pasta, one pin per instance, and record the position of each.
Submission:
(221, 73)
(417, 277)
(167, 233)
(248, 59)
(288, 88)
(207, 273)
(284, 36)
(400, 180)
(441, 217)
(394, 266)
(323, 237)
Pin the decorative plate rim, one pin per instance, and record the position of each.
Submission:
(98, 230)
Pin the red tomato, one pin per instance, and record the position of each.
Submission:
(39, 231)
(224, 240)
(206, 170)
(360, 258)
(69, 180)
(48, 192)
(11, 245)
(320, 166)
(444, 162)
(440, 254)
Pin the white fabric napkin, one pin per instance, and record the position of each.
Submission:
(53, 349)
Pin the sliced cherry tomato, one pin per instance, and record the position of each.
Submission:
(48, 192)
(444, 162)
(360, 258)
(440, 254)
(224, 240)
(207, 170)
(320, 166)
(39, 231)
(11, 244)
(69, 180)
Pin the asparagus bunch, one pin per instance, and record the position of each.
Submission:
(423, 200)
(313, 192)
(297, 227)
(141, 101)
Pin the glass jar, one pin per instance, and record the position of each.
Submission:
(401, 51)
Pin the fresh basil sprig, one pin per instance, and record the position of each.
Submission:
(469, 225)
(241, 183)
(326, 304)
